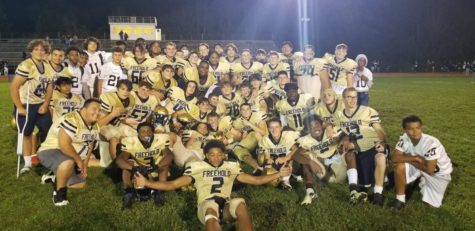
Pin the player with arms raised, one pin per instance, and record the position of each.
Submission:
(213, 179)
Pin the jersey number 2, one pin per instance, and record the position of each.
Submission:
(216, 188)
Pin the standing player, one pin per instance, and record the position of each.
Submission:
(96, 59)
(111, 73)
(202, 77)
(80, 75)
(218, 68)
(231, 54)
(138, 67)
(56, 63)
(31, 91)
(307, 73)
(213, 180)
(155, 50)
(178, 64)
(287, 56)
(295, 107)
(363, 126)
(418, 155)
(246, 67)
(203, 49)
(147, 153)
(363, 80)
(340, 68)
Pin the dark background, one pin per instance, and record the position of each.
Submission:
(394, 31)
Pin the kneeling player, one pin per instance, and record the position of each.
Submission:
(318, 147)
(213, 180)
(148, 154)
(420, 155)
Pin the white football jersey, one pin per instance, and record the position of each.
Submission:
(360, 85)
(111, 74)
(81, 77)
(94, 64)
(428, 147)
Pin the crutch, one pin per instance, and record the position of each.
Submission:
(19, 144)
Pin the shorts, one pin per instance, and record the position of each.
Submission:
(52, 158)
(216, 204)
(432, 187)
(365, 165)
(110, 131)
(42, 121)
(336, 167)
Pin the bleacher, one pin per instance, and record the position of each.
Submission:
(11, 49)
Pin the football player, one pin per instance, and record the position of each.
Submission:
(63, 100)
(340, 68)
(163, 81)
(229, 101)
(147, 153)
(325, 156)
(154, 50)
(138, 67)
(270, 70)
(178, 100)
(261, 56)
(188, 146)
(111, 73)
(218, 48)
(231, 54)
(254, 99)
(122, 125)
(202, 77)
(295, 108)
(307, 72)
(246, 67)
(213, 180)
(287, 56)
(251, 124)
(178, 64)
(221, 128)
(68, 147)
(56, 63)
(418, 155)
(363, 80)
(96, 59)
(203, 49)
(329, 106)
(217, 68)
(145, 102)
(274, 147)
(80, 76)
(31, 91)
(363, 126)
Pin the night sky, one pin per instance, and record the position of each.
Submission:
(393, 30)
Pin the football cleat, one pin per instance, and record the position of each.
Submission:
(128, 198)
(48, 178)
(285, 185)
(158, 197)
(397, 204)
(308, 198)
(59, 197)
(25, 170)
(378, 199)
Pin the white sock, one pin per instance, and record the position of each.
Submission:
(286, 178)
(27, 161)
(352, 176)
(402, 197)
(260, 168)
(310, 191)
(378, 189)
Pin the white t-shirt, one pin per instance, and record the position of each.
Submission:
(428, 147)
(360, 85)
(81, 77)
(94, 64)
(111, 74)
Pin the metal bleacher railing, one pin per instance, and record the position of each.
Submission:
(132, 19)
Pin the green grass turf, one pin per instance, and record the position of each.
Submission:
(446, 105)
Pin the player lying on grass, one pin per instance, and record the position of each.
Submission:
(148, 154)
(418, 155)
(335, 152)
(213, 179)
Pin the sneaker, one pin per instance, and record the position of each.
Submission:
(285, 185)
(128, 198)
(34, 160)
(25, 169)
(397, 204)
(378, 199)
(144, 194)
(59, 197)
(158, 197)
(308, 198)
(298, 178)
(48, 178)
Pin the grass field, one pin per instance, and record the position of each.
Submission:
(446, 106)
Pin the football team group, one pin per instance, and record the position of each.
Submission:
(285, 117)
